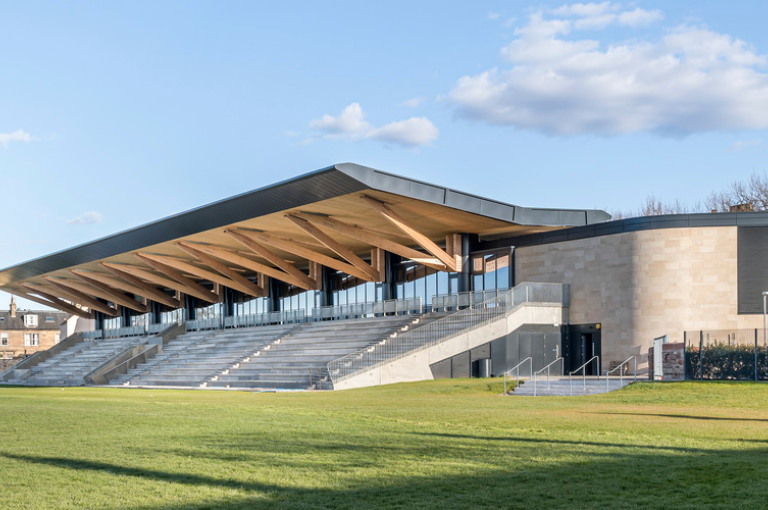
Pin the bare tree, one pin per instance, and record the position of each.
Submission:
(741, 196)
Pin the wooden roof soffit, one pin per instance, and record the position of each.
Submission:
(129, 283)
(370, 274)
(311, 255)
(46, 299)
(252, 265)
(51, 293)
(388, 213)
(91, 289)
(225, 276)
(74, 296)
(366, 236)
(305, 281)
(178, 281)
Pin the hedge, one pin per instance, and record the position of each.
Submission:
(723, 361)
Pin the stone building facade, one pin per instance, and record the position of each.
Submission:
(24, 332)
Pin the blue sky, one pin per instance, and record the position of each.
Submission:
(114, 114)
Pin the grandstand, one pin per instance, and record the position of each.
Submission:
(349, 276)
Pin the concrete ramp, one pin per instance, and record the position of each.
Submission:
(412, 361)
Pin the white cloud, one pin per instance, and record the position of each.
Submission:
(413, 102)
(744, 145)
(351, 124)
(413, 132)
(17, 136)
(89, 218)
(689, 80)
(493, 15)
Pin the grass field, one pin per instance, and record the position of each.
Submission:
(438, 445)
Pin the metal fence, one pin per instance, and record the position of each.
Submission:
(735, 354)
(400, 344)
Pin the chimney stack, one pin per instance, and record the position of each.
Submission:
(13, 308)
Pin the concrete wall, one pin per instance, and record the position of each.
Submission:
(643, 285)
(415, 367)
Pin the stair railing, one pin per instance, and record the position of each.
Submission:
(584, 373)
(535, 374)
(621, 373)
(517, 367)
(433, 333)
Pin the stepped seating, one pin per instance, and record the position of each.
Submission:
(193, 358)
(562, 387)
(413, 339)
(299, 360)
(68, 367)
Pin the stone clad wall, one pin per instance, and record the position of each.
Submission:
(643, 285)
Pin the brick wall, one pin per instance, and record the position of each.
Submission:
(673, 362)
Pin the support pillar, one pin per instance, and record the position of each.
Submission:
(273, 301)
(388, 290)
(190, 312)
(465, 276)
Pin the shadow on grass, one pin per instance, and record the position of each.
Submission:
(684, 416)
(544, 479)
(564, 442)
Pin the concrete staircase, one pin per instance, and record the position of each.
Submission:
(68, 367)
(299, 360)
(563, 387)
(191, 359)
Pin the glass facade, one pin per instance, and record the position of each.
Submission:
(491, 271)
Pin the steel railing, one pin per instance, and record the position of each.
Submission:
(621, 373)
(584, 373)
(402, 343)
(547, 368)
(517, 367)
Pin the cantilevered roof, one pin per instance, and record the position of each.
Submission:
(333, 216)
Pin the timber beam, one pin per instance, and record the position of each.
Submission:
(306, 282)
(239, 283)
(183, 283)
(73, 296)
(129, 283)
(419, 238)
(377, 241)
(46, 299)
(311, 255)
(258, 267)
(338, 248)
(103, 292)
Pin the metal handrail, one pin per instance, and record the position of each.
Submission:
(621, 373)
(517, 367)
(406, 342)
(535, 381)
(584, 373)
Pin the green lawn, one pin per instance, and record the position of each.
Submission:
(437, 445)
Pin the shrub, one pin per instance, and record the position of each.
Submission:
(722, 361)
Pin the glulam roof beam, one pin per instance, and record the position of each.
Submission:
(178, 281)
(244, 285)
(306, 282)
(339, 249)
(257, 267)
(393, 217)
(46, 299)
(71, 295)
(102, 291)
(129, 283)
(241, 284)
(311, 255)
(377, 241)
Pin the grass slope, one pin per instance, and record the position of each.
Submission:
(438, 445)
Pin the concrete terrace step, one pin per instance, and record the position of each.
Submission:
(562, 387)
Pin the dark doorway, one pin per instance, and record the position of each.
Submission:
(580, 343)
